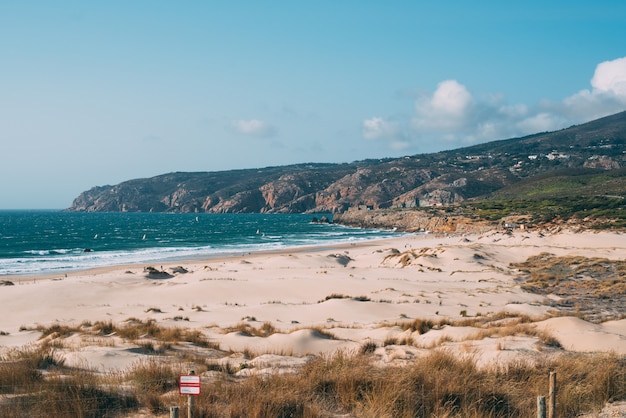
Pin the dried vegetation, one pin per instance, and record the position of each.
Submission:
(36, 383)
(590, 287)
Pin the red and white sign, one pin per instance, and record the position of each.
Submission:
(189, 384)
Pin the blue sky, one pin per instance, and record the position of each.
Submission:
(95, 93)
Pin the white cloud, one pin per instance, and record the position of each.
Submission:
(608, 94)
(610, 77)
(254, 127)
(514, 111)
(446, 110)
(377, 128)
(541, 122)
(452, 115)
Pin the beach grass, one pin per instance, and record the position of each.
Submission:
(346, 384)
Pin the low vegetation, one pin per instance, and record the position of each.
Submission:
(594, 212)
(133, 329)
(592, 198)
(586, 285)
(35, 382)
(245, 328)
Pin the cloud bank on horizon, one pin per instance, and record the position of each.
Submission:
(453, 115)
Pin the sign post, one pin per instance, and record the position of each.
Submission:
(189, 384)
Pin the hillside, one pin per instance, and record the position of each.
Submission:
(425, 180)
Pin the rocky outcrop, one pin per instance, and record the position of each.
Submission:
(602, 162)
(279, 195)
(408, 220)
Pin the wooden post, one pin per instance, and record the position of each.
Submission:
(190, 401)
(541, 407)
(173, 412)
(190, 407)
(552, 396)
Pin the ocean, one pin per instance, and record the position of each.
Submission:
(36, 242)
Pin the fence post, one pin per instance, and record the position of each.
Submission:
(190, 407)
(190, 401)
(173, 412)
(541, 407)
(552, 396)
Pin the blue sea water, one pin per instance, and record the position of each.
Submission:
(44, 242)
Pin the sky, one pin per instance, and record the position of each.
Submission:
(96, 93)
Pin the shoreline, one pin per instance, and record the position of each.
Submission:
(374, 252)
(104, 239)
(169, 263)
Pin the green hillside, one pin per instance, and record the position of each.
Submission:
(597, 197)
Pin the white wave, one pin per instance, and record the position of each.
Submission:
(57, 261)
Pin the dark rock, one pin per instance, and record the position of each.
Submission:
(322, 220)
(154, 273)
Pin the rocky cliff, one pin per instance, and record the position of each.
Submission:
(408, 220)
(422, 180)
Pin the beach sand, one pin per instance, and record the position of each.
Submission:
(271, 312)
(358, 293)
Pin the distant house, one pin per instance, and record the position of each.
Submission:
(510, 225)
(554, 155)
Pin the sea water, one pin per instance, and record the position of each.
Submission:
(44, 242)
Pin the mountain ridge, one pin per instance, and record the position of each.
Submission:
(435, 179)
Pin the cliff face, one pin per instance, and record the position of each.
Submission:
(286, 190)
(408, 220)
(422, 180)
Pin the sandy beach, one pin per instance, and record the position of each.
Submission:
(274, 311)
(358, 292)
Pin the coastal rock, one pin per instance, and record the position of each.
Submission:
(322, 220)
(246, 201)
(408, 220)
(280, 193)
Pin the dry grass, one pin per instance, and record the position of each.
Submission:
(368, 347)
(421, 326)
(143, 332)
(245, 328)
(407, 340)
(151, 379)
(599, 276)
(498, 325)
(544, 338)
(586, 285)
(41, 385)
(36, 382)
(135, 328)
(438, 384)
(351, 385)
